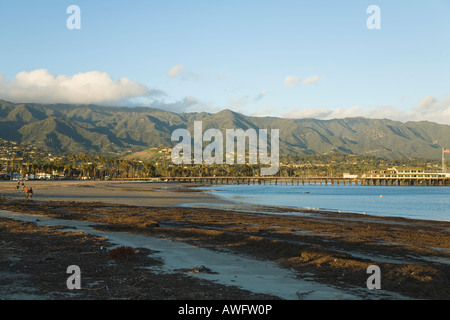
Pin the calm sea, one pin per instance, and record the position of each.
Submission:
(429, 203)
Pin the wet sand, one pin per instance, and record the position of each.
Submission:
(330, 249)
(160, 194)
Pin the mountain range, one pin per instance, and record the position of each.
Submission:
(116, 131)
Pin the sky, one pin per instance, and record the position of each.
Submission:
(284, 58)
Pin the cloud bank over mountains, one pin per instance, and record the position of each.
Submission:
(95, 87)
(41, 86)
(427, 109)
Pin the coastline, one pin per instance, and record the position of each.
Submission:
(138, 193)
(425, 203)
(332, 249)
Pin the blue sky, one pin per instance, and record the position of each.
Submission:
(266, 58)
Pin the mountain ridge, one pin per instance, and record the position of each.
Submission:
(115, 131)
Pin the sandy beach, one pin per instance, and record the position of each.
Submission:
(186, 249)
(158, 194)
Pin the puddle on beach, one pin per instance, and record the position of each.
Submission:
(242, 207)
(227, 268)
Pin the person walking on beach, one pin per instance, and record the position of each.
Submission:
(28, 192)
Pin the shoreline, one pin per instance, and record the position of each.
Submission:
(161, 194)
(164, 194)
(301, 210)
(332, 249)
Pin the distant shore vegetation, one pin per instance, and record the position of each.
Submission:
(26, 161)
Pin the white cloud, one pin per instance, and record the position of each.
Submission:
(186, 104)
(427, 109)
(427, 103)
(175, 71)
(94, 87)
(291, 81)
(432, 109)
(180, 71)
(260, 95)
(183, 105)
(311, 80)
(240, 103)
(387, 112)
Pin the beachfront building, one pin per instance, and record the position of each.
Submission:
(407, 176)
(406, 172)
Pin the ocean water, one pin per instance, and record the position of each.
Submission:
(428, 203)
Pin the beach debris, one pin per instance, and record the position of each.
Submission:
(301, 295)
(201, 269)
(150, 225)
(5, 244)
(122, 253)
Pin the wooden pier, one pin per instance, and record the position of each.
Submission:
(272, 180)
(266, 180)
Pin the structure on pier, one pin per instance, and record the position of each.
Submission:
(407, 177)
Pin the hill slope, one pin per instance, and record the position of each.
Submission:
(116, 131)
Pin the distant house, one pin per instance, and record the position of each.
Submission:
(16, 176)
(43, 176)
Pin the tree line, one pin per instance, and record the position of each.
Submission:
(100, 167)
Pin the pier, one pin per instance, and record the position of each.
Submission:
(367, 180)
(265, 180)
(389, 177)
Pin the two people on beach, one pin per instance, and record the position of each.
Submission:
(28, 192)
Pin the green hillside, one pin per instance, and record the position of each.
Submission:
(116, 131)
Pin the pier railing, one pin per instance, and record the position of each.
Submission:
(311, 180)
